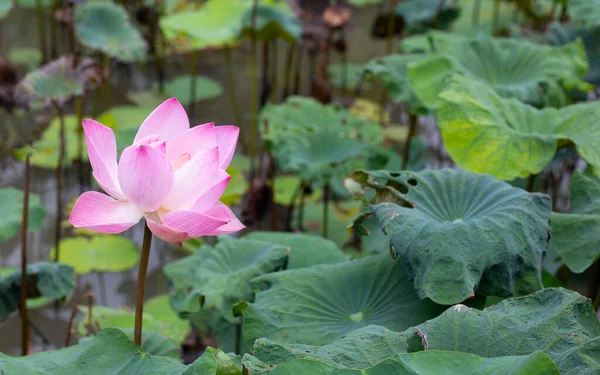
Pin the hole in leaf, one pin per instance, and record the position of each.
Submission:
(412, 182)
(415, 344)
(398, 186)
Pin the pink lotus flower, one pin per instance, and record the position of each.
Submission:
(172, 175)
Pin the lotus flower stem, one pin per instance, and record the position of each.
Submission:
(388, 50)
(344, 58)
(300, 224)
(41, 30)
(59, 182)
(266, 80)
(496, 17)
(254, 87)
(413, 124)
(141, 285)
(233, 95)
(326, 194)
(476, 12)
(238, 337)
(530, 182)
(53, 30)
(106, 82)
(298, 72)
(80, 139)
(274, 71)
(192, 107)
(288, 71)
(89, 325)
(438, 13)
(23, 295)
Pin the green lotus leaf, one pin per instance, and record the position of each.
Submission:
(27, 56)
(111, 352)
(306, 250)
(217, 278)
(45, 150)
(180, 87)
(149, 98)
(519, 69)
(301, 132)
(362, 3)
(105, 26)
(426, 363)
(238, 185)
(465, 25)
(100, 253)
(44, 279)
(155, 319)
(346, 79)
(460, 234)
(511, 139)
(320, 304)
(11, 211)
(559, 322)
(272, 22)
(420, 15)
(563, 34)
(585, 12)
(391, 71)
(33, 3)
(5, 7)
(286, 187)
(216, 24)
(432, 41)
(153, 343)
(576, 235)
(58, 80)
(32, 303)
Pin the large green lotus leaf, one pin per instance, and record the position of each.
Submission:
(154, 320)
(5, 7)
(306, 250)
(420, 15)
(44, 279)
(217, 278)
(320, 304)
(460, 234)
(558, 321)
(103, 253)
(286, 189)
(217, 23)
(11, 211)
(432, 41)
(272, 22)
(422, 363)
(160, 309)
(153, 343)
(45, 150)
(317, 141)
(483, 132)
(125, 117)
(105, 26)
(585, 12)
(180, 87)
(514, 68)
(576, 236)
(563, 34)
(58, 80)
(111, 352)
(391, 71)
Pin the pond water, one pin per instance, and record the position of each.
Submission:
(118, 289)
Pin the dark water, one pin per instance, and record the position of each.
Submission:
(118, 289)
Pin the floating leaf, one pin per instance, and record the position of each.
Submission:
(272, 22)
(11, 211)
(58, 80)
(576, 236)
(155, 320)
(560, 322)
(217, 278)
(483, 132)
(420, 15)
(391, 71)
(180, 88)
(314, 140)
(101, 253)
(105, 26)
(44, 279)
(27, 56)
(306, 250)
(461, 234)
(320, 304)
(111, 352)
(585, 12)
(513, 68)
(45, 150)
(216, 24)
(426, 363)
(563, 34)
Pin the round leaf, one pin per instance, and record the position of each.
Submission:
(272, 22)
(103, 253)
(320, 304)
(11, 211)
(180, 88)
(105, 26)
(461, 234)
